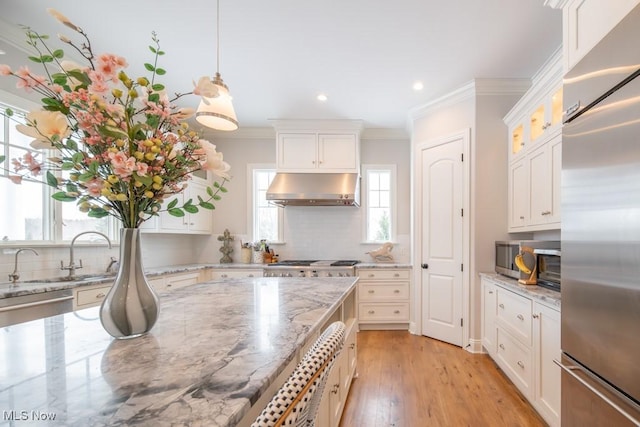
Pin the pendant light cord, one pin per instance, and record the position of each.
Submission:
(218, 36)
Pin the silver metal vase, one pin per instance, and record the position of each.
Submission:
(131, 307)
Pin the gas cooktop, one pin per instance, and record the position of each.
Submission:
(314, 263)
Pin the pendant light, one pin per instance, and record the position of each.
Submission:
(217, 113)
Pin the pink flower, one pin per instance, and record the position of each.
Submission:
(16, 179)
(5, 70)
(94, 187)
(32, 164)
(205, 87)
(122, 166)
(142, 168)
(108, 65)
(98, 83)
(214, 161)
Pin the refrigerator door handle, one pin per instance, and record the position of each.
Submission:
(571, 370)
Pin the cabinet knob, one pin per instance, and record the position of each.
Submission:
(520, 316)
(371, 291)
(100, 295)
(501, 305)
(535, 316)
(335, 388)
(501, 346)
(424, 266)
(223, 275)
(372, 311)
(521, 364)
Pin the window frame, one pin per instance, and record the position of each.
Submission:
(393, 198)
(51, 209)
(252, 168)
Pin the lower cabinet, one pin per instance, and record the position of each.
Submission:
(522, 335)
(90, 296)
(384, 298)
(170, 282)
(234, 273)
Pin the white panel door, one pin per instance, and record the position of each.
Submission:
(442, 246)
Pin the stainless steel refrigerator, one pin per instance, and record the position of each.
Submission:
(601, 233)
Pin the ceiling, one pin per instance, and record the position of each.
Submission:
(277, 56)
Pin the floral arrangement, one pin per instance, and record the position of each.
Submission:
(120, 146)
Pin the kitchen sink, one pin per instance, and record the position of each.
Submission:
(85, 278)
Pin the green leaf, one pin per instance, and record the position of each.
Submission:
(149, 67)
(2, 158)
(157, 87)
(67, 166)
(58, 53)
(191, 208)
(61, 196)
(145, 180)
(71, 144)
(97, 213)
(160, 52)
(217, 198)
(71, 187)
(112, 131)
(51, 179)
(47, 58)
(161, 71)
(154, 97)
(210, 191)
(35, 59)
(223, 190)
(8, 112)
(77, 157)
(153, 121)
(80, 76)
(153, 49)
(172, 204)
(87, 176)
(176, 212)
(207, 205)
(216, 184)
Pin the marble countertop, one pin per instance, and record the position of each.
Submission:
(383, 265)
(216, 347)
(7, 290)
(548, 296)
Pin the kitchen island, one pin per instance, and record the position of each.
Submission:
(215, 357)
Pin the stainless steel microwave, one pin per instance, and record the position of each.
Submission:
(506, 251)
(549, 273)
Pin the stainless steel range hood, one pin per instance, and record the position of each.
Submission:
(315, 189)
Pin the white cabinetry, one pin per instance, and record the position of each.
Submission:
(535, 148)
(171, 282)
(318, 146)
(90, 296)
(235, 273)
(522, 335)
(384, 298)
(199, 223)
(586, 22)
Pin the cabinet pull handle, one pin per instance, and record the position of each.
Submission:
(490, 292)
(223, 275)
(371, 291)
(535, 316)
(396, 312)
(352, 345)
(169, 285)
(501, 346)
(100, 295)
(396, 275)
(501, 305)
(520, 364)
(372, 275)
(396, 291)
(520, 316)
(335, 388)
(521, 217)
(372, 311)
(251, 275)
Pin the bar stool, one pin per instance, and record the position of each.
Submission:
(296, 403)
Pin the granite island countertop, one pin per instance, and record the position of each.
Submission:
(215, 349)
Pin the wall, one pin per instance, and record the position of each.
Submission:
(479, 106)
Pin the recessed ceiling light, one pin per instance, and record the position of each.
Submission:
(322, 97)
(2, 52)
(418, 86)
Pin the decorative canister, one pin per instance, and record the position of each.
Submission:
(258, 257)
(246, 255)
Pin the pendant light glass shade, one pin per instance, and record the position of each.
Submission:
(217, 113)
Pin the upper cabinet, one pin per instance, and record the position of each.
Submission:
(318, 146)
(586, 22)
(535, 148)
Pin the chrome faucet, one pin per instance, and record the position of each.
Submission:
(15, 276)
(72, 267)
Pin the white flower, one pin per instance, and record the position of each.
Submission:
(214, 161)
(205, 88)
(45, 126)
(63, 19)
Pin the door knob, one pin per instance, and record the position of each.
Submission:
(425, 266)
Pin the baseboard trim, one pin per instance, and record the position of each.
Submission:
(384, 326)
(475, 346)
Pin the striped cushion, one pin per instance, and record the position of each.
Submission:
(316, 362)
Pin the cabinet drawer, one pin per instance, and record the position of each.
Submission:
(232, 274)
(91, 297)
(383, 274)
(514, 314)
(387, 312)
(390, 291)
(516, 361)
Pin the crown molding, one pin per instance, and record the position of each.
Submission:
(556, 4)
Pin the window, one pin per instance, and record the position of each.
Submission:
(28, 211)
(267, 219)
(380, 202)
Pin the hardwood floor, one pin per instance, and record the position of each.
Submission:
(406, 380)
